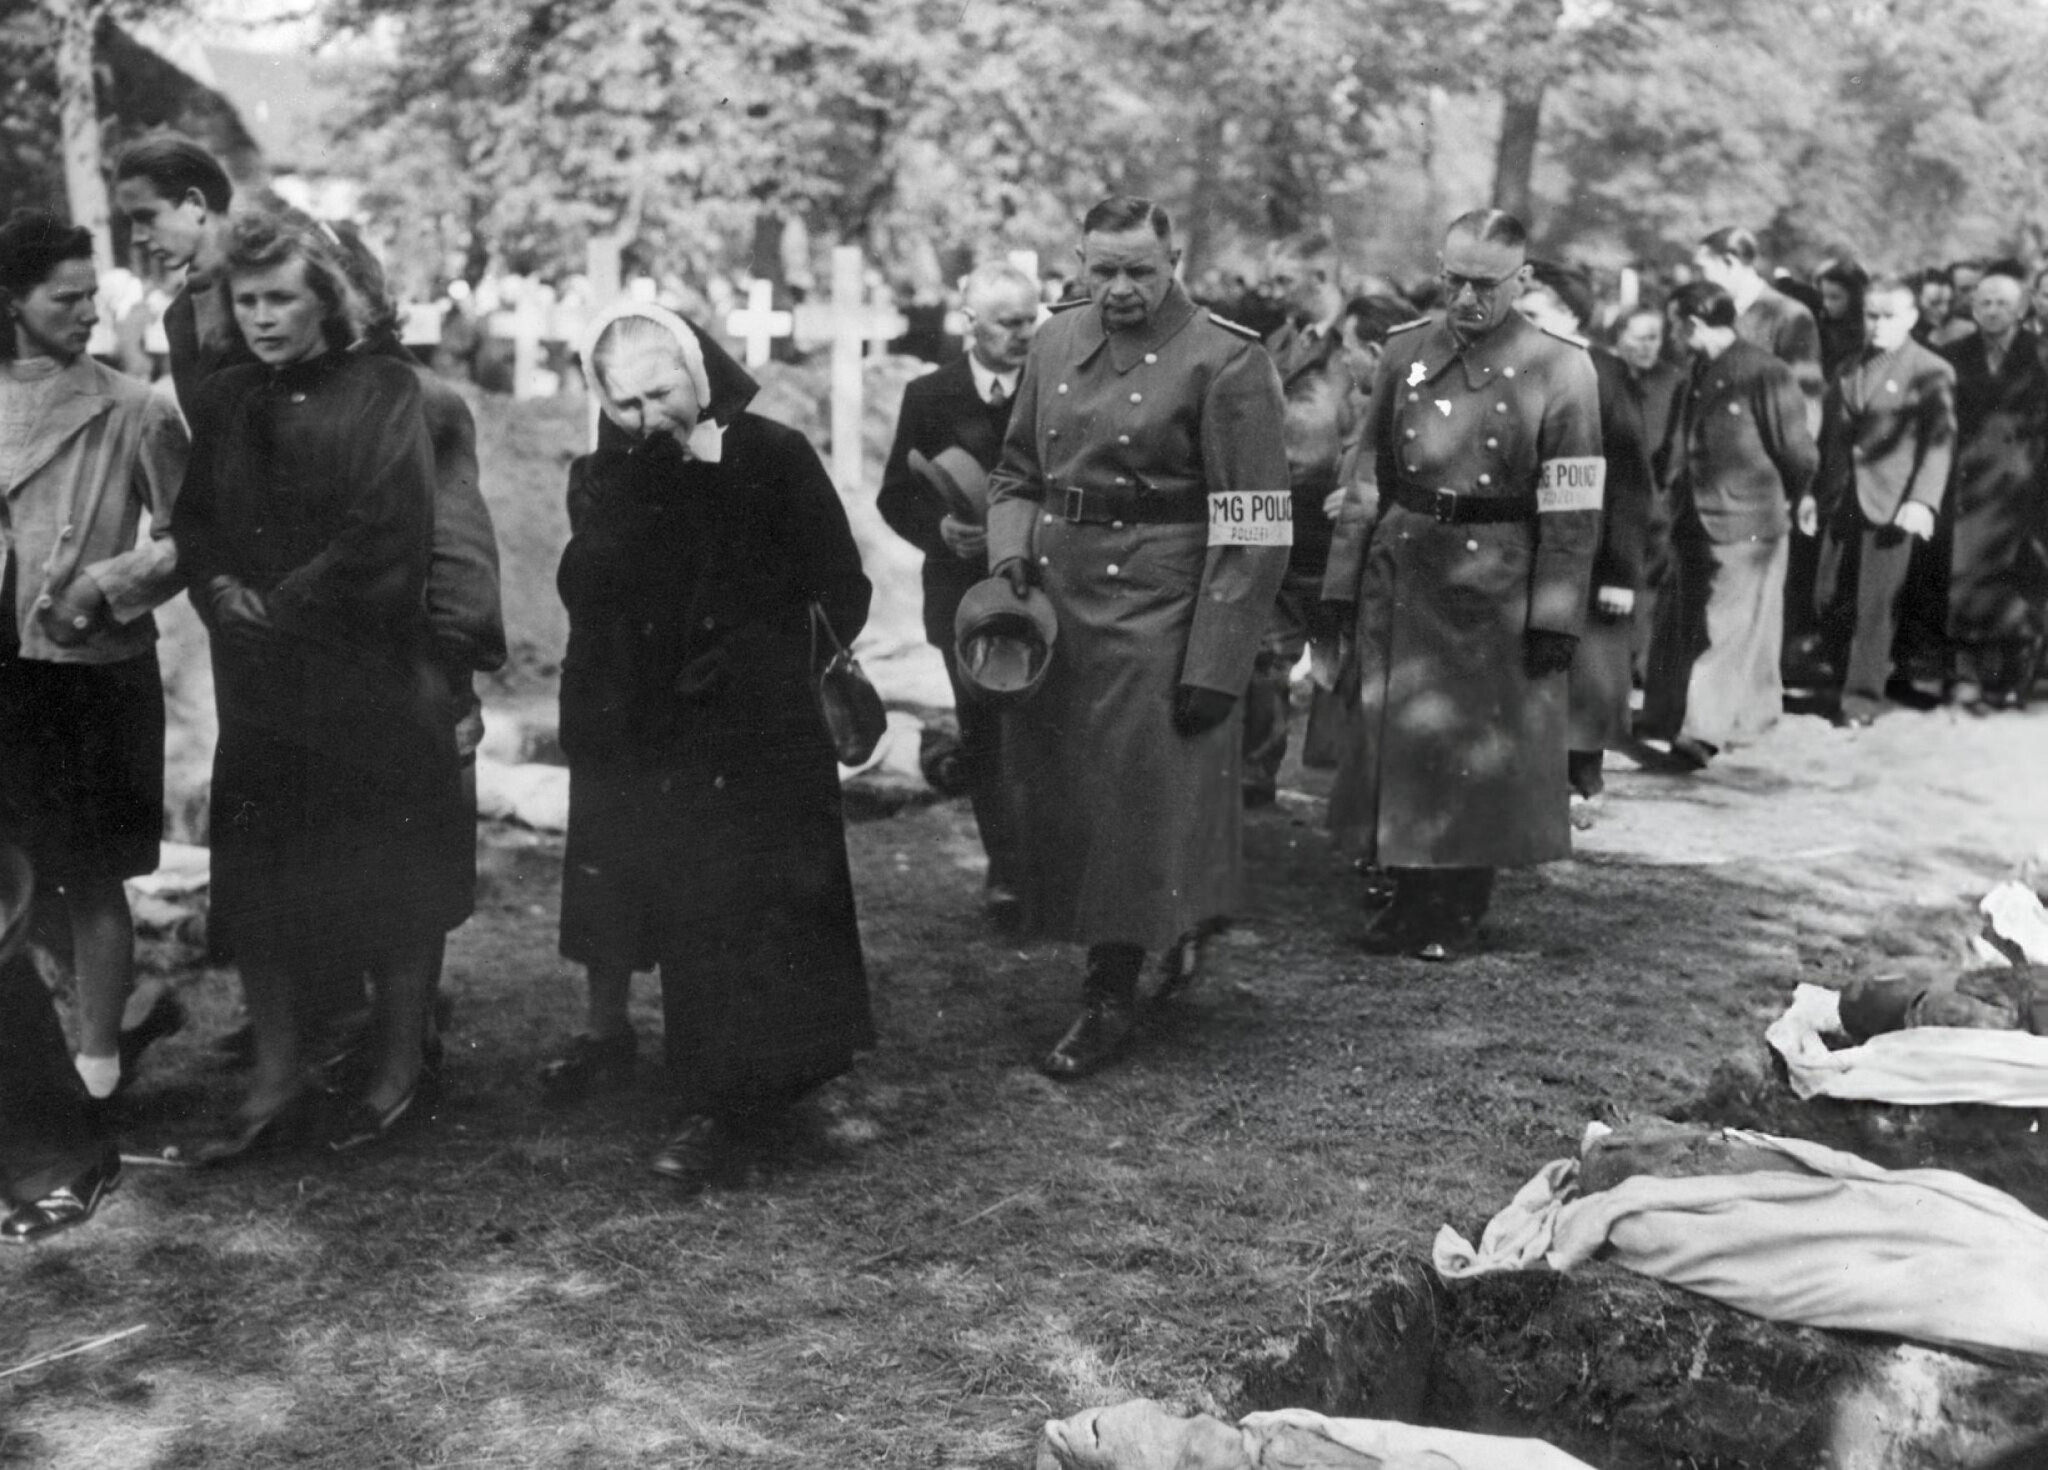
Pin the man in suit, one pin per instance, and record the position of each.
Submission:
(1323, 414)
(1996, 568)
(176, 197)
(1748, 457)
(1781, 326)
(1888, 431)
(966, 406)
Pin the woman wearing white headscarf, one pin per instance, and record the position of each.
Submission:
(704, 828)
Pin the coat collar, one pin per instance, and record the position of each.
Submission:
(1128, 349)
(1491, 357)
(79, 398)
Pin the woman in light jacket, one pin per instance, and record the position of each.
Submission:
(83, 452)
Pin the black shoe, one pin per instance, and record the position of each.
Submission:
(166, 1017)
(351, 1122)
(1001, 906)
(589, 1064)
(693, 1153)
(1691, 754)
(1393, 932)
(1099, 1035)
(289, 1127)
(1255, 797)
(70, 1203)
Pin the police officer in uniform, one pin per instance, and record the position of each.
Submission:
(1144, 486)
(1471, 598)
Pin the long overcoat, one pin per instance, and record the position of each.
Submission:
(1130, 832)
(1997, 491)
(1602, 673)
(1457, 756)
(705, 830)
(335, 781)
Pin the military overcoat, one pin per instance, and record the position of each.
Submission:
(1456, 757)
(1129, 830)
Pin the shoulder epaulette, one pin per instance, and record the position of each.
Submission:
(1237, 327)
(1572, 338)
(1421, 321)
(1069, 304)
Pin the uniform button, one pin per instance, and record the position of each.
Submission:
(1486, 479)
(718, 782)
(1415, 398)
(711, 622)
(1045, 561)
(1411, 433)
(1121, 480)
(44, 601)
(1112, 569)
(647, 630)
(1151, 357)
(1500, 408)
(1735, 408)
(1493, 444)
(1137, 398)
(1052, 433)
(1411, 469)
(1115, 526)
(1048, 520)
(1123, 438)
(1063, 387)
(298, 398)
(81, 622)
(1471, 545)
(65, 534)
(1507, 372)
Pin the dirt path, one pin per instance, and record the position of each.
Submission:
(960, 1249)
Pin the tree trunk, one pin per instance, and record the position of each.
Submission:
(85, 183)
(1514, 161)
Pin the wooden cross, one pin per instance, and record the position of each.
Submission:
(758, 324)
(849, 322)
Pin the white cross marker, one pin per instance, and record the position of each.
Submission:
(757, 324)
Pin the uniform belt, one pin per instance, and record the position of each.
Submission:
(1102, 507)
(1449, 508)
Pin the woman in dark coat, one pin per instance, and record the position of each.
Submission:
(305, 532)
(704, 823)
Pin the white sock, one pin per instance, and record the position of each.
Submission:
(101, 1075)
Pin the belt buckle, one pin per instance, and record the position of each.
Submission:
(1073, 508)
(1443, 506)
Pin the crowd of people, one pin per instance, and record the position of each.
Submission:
(1510, 527)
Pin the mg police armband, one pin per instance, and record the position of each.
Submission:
(1251, 518)
(1578, 483)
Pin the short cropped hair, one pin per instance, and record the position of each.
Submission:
(261, 240)
(174, 166)
(992, 276)
(1126, 212)
(1705, 303)
(2007, 266)
(1889, 281)
(1569, 284)
(1731, 242)
(1492, 227)
(33, 243)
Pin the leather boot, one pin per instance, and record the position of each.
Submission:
(1109, 1014)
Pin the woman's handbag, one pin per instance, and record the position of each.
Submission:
(852, 711)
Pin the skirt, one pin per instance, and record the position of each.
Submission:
(82, 765)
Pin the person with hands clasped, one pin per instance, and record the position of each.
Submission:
(1470, 598)
(1144, 486)
(1888, 432)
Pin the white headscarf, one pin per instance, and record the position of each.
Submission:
(707, 440)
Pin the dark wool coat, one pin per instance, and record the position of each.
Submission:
(1457, 757)
(1997, 491)
(1888, 435)
(1322, 423)
(1602, 673)
(705, 831)
(1131, 831)
(335, 778)
(1786, 329)
(941, 410)
(1748, 455)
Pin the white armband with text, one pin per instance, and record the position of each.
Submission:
(1578, 483)
(1251, 518)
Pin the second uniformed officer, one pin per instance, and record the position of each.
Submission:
(1144, 485)
(1486, 433)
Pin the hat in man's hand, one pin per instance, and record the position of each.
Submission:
(958, 477)
(1004, 642)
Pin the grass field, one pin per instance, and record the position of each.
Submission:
(954, 1249)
